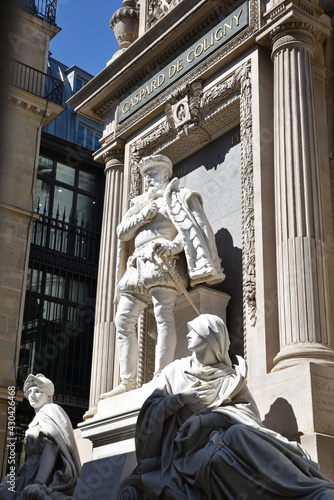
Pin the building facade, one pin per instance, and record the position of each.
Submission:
(239, 95)
(34, 99)
(51, 208)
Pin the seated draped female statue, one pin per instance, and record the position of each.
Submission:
(199, 435)
(52, 467)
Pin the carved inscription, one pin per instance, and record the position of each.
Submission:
(199, 50)
(325, 396)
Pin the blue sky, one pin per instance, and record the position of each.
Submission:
(86, 39)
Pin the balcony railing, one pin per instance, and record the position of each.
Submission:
(36, 82)
(41, 8)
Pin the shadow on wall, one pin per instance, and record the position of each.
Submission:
(232, 263)
(281, 418)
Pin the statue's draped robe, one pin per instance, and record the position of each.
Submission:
(232, 456)
(51, 423)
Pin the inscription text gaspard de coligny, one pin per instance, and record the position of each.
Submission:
(199, 50)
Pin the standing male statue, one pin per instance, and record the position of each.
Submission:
(164, 222)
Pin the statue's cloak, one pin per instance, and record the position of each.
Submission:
(185, 209)
(231, 455)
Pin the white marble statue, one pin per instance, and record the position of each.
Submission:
(164, 222)
(199, 435)
(52, 466)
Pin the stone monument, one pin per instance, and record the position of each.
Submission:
(165, 241)
(53, 465)
(199, 435)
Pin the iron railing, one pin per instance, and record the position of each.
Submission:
(58, 322)
(45, 9)
(36, 82)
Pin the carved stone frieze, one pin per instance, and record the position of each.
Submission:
(106, 106)
(221, 117)
(247, 189)
(157, 9)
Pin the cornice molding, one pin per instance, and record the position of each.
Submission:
(290, 15)
(32, 105)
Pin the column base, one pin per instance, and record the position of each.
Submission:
(298, 402)
(295, 354)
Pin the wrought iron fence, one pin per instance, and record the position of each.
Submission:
(58, 322)
(36, 82)
(41, 8)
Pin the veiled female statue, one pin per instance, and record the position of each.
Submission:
(199, 435)
(52, 467)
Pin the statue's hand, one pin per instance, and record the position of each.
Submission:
(33, 492)
(196, 394)
(188, 429)
(149, 211)
(165, 249)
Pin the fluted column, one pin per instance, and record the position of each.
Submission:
(103, 360)
(301, 258)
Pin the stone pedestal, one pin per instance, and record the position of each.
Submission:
(112, 429)
(293, 391)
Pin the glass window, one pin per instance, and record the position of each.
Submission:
(52, 311)
(97, 144)
(85, 210)
(42, 196)
(34, 280)
(89, 139)
(81, 135)
(65, 174)
(79, 84)
(87, 181)
(78, 291)
(55, 286)
(45, 166)
(62, 203)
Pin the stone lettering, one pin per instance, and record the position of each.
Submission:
(172, 70)
(200, 49)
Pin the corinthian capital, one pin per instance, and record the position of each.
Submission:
(292, 34)
(114, 156)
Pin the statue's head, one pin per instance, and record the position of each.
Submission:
(38, 390)
(156, 170)
(213, 331)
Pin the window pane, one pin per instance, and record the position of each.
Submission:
(34, 280)
(89, 139)
(42, 196)
(81, 135)
(55, 286)
(78, 84)
(78, 291)
(87, 181)
(85, 210)
(97, 144)
(65, 174)
(52, 311)
(45, 166)
(63, 201)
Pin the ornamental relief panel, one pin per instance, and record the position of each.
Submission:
(157, 9)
